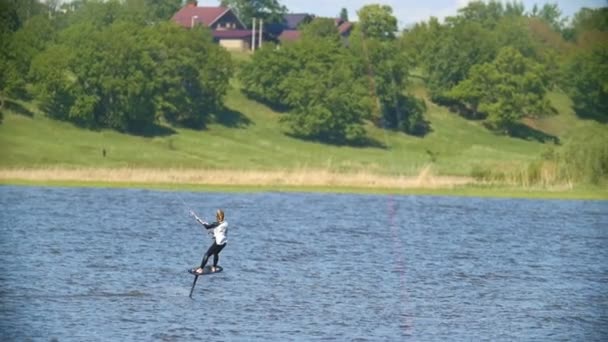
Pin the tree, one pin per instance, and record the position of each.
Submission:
(9, 20)
(487, 14)
(271, 11)
(506, 89)
(9, 23)
(328, 102)
(377, 21)
(26, 9)
(321, 28)
(31, 39)
(22, 46)
(587, 20)
(104, 13)
(514, 9)
(52, 6)
(192, 76)
(449, 53)
(127, 76)
(586, 82)
(162, 9)
(114, 70)
(552, 15)
(313, 80)
(264, 77)
(55, 86)
(16, 54)
(343, 14)
(385, 67)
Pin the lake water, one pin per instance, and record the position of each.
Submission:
(110, 265)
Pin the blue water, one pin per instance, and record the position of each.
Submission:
(110, 265)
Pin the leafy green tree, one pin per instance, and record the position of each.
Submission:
(20, 48)
(23, 10)
(9, 23)
(52, 6)
(271, 11)
(9, 20)
(344, 14)
(587, 20)
(506, 89)
(450, 54)
(385, 67)
(55, 85)
(515, 32)
(586, 82)
(486, 14)
(377, 21)
(327, 101)
(417, 41)
(112, 70)
(264, 77)
(31, 39)
(162, 9)
(313, 79)
(514, 9)
(552, 15)
(446, 53)
(100, 13)
(321, 28)
(127, 76)
(192, 76)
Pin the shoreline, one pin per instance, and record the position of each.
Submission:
(317, 181)
(304, 177)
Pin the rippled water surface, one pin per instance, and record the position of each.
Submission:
(110, 265)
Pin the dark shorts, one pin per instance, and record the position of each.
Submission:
(215, 249)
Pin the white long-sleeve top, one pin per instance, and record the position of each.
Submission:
(220, 231)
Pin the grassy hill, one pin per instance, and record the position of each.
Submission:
(249, 137)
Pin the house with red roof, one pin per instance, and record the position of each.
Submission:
(225, 25)
(293, 22)
(230, 32)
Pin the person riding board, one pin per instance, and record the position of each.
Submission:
(220, 231)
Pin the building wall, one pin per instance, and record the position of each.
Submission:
(235, 44)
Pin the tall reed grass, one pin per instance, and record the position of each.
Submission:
(298, 177)
(582, 160)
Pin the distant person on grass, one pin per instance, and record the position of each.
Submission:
(220, 230)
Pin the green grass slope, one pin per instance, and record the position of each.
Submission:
(251, 138)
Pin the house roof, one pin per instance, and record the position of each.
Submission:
(290, 35)
(291, 21)
(201, 15)
(344, 27)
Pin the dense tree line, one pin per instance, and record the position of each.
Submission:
(122, 64)
(330, 87)
(313, 79)
(497, 62)
(116, 64)
(493, 61)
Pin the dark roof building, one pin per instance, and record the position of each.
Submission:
(212, 17)
(292, 21)
(226, 27)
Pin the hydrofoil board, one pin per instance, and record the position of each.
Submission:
(207, 270)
